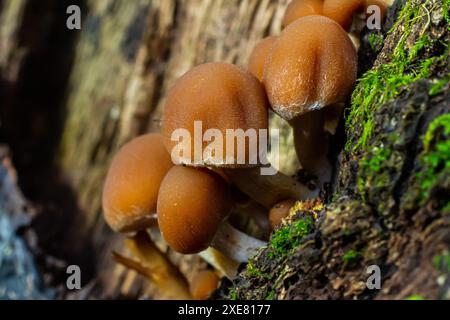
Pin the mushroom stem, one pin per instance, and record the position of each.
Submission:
(311, 144)
(234, 243)
(155, 265)
(269, 190)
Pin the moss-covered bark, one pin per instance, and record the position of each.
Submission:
(391, 204)
(86, 93)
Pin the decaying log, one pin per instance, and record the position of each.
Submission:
(69, 99)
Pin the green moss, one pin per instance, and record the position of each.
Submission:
(407, 64)
(289, 237)
(415, 297)
(351, 256)
(435, 160)
(375, 41)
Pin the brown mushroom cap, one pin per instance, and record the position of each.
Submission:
(131, 188)
(312, 64)
(191, 205)
(204, 284)
(301, 8)
(342, 11)
(259, 56)
(220, 95)
(280, 211)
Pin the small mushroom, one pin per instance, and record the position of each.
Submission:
(303, 77)
(131, 187)
(225, 266)
(312, 144)
(301, 8)
(223, 97)
(204, 284)
(333, 115)
(193, 204)
(280, 211)
(259, 55)
(256, 213)
(154, 265)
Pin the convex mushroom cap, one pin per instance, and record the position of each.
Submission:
(301, 8)
(313, 64)
(259, 56)
(382, 5)
(223, 97)
(191, 205)
(230, 102)
(131, 188)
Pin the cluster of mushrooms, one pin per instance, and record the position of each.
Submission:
(305, 76)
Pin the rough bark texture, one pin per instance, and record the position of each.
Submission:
(69, 99)
(87, 92)
(19, 277)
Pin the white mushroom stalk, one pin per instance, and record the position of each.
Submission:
(154, 265)
(235, 244)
